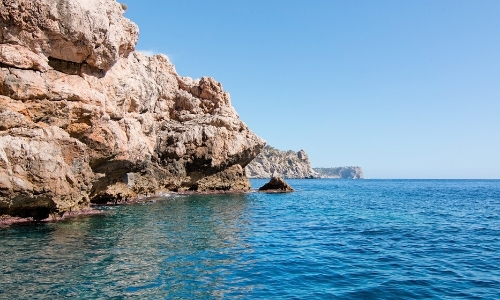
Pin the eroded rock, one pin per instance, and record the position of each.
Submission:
(42, 170)
(84, 118)
(82, 31)
(276, 185)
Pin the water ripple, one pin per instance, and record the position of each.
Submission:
(373, 239)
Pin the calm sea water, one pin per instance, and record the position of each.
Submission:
(342, 239)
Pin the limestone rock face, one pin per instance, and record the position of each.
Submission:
(340, 172)
(93, 32)
(42, 169)
(288, 164)
(85, 118)
(276, 185)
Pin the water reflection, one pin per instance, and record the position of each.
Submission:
(184, 246)
(329, 239)
(202, 239)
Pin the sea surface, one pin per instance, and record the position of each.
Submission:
(331, 239)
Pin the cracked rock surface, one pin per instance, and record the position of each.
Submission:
(85, 118)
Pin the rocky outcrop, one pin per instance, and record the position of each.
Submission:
(90, 32)
(287, 164)
(340, 172)
(85, 118)
(276, 185)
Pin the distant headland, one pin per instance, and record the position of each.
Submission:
(340, 172)
(294, 165)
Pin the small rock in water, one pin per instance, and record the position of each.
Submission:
(276, 185)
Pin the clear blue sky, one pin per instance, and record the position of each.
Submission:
(404, 89)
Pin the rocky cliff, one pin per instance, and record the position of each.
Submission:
(340, 172)
(85, 118)
(286, 164)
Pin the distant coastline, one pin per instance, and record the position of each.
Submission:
(295, 165)
(353, 172)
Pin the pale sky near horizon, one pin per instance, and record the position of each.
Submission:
(404, 89)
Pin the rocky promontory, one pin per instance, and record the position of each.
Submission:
(86, 118)
(340, 172)
(287, 164)
(294, 165)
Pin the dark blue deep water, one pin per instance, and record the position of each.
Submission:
(342, 239)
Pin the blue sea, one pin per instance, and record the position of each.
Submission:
(330, 239)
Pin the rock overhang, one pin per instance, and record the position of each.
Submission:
(124, 124)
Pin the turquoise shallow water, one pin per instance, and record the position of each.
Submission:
(342, 239)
